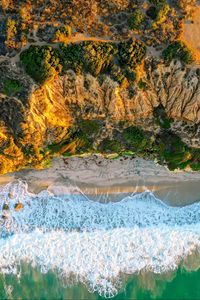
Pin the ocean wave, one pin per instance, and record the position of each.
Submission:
(93, 242)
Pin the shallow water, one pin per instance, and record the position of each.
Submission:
(32, 284)
(132, 248)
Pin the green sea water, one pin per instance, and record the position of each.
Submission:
(32, 284)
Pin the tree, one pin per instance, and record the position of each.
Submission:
(98, 56)
(131, 53)
(162, 12)
(11, 31)
(136, 19)
(157, 2)
(179, 51)
(72, 55)
(92, 57)
(63, 32)
(41, 63)
(152, 12)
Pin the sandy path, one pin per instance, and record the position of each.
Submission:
(78, 38)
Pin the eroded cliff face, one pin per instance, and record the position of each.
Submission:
(175, 87)
(35, 117)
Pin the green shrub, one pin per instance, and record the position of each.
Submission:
(173, 150)
(161, 117)
(110, 146)
(72, 55)
(85, 132)
(41, 63)
(195, 160)
(142, 85)
(92, 57)
(12, 87)
(131, 53)
(135, 137)
(152, 12)
(130, 74)
(161, 17)
(89, 127)
(178, 50)
(157, 2)
(117, 74)
(136, 19)
(98, 56)
(64, 30)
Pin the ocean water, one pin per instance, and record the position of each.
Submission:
(70, 247)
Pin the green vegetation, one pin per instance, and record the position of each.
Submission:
(11, 31)
(85, 133)
(166, 146)
(12, 87)
(92, 57)
(195, 163)
(152, 12)
(161, 15)
(28, 151)
(178, 50)
(117, 74)
(72, 55)
(142, 85)
(89, 127)
(65, 31)
(131, 53)
(157, 2)
(110, 146)
(161, 117)
(172, 151)
(136, 19)
(41, 63)
(135, 138)
(117, 60)
(98, 56)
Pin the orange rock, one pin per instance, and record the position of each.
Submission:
(18, 206)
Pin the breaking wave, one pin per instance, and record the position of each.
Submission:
(96, 244)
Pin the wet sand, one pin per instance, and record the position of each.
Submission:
(105, 179)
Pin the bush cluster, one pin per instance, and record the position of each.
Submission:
(12, 87)
(117, 60)
(41, 63)
(178, 50)
(131, 53)
(136, 20)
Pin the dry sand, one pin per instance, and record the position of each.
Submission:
(191, 33)
(111, 179)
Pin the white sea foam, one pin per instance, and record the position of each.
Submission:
(95, 242)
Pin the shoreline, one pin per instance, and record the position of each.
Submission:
(102, 179)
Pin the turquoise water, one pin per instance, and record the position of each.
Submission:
(35, 285)
(70, 247)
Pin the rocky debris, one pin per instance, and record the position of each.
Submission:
(5, 206)
(19, 206)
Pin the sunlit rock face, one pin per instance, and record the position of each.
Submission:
(34, 117)
(177, 88)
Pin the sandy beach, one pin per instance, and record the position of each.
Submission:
(106, 179)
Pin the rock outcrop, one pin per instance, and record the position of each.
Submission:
(37, 116)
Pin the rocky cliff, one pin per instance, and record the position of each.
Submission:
(33, 117)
